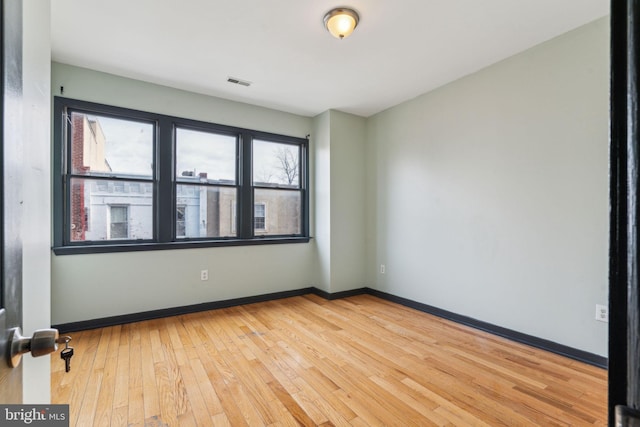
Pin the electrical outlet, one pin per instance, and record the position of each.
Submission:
(602, 313)
(204, 274)
(383, 269)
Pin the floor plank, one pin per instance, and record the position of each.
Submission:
(308, 361)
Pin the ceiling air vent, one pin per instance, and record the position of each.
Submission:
(238, 81)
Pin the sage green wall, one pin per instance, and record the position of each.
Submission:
(340, 200)
(100, 285)
(490, 194)
(487, 197)
(347, 205)
(322, 190)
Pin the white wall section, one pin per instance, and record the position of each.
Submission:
(36, 233)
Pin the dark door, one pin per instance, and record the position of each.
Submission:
(624, 273)
(10, 211)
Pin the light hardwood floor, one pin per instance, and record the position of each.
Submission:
(358, 361)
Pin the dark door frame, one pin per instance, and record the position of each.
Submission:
(624, 160)
(11, 166)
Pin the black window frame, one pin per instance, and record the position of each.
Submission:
(165, 181)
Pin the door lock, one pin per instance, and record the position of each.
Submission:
(43, 342)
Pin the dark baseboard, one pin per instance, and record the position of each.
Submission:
(175, 311)
(339, 295)
(572, 353)
(553, 347)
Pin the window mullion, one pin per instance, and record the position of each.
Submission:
(245, 198)
(165, 204)
(60, 183)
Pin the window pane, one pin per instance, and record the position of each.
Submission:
(118, 214)
(276, 164)
(99, 212)
(208, 211)
(204, 156)
(111, 146)
(282, 212)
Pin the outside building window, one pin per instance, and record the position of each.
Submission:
(180, 221)
(119, 222)
(86, 219)
(259, 217)
(218, 180)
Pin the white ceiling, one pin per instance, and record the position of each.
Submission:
(402, 48)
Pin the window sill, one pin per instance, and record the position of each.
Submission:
(199, 244)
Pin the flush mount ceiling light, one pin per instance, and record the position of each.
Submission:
(341, 22)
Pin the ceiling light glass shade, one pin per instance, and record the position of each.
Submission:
(341, 22)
